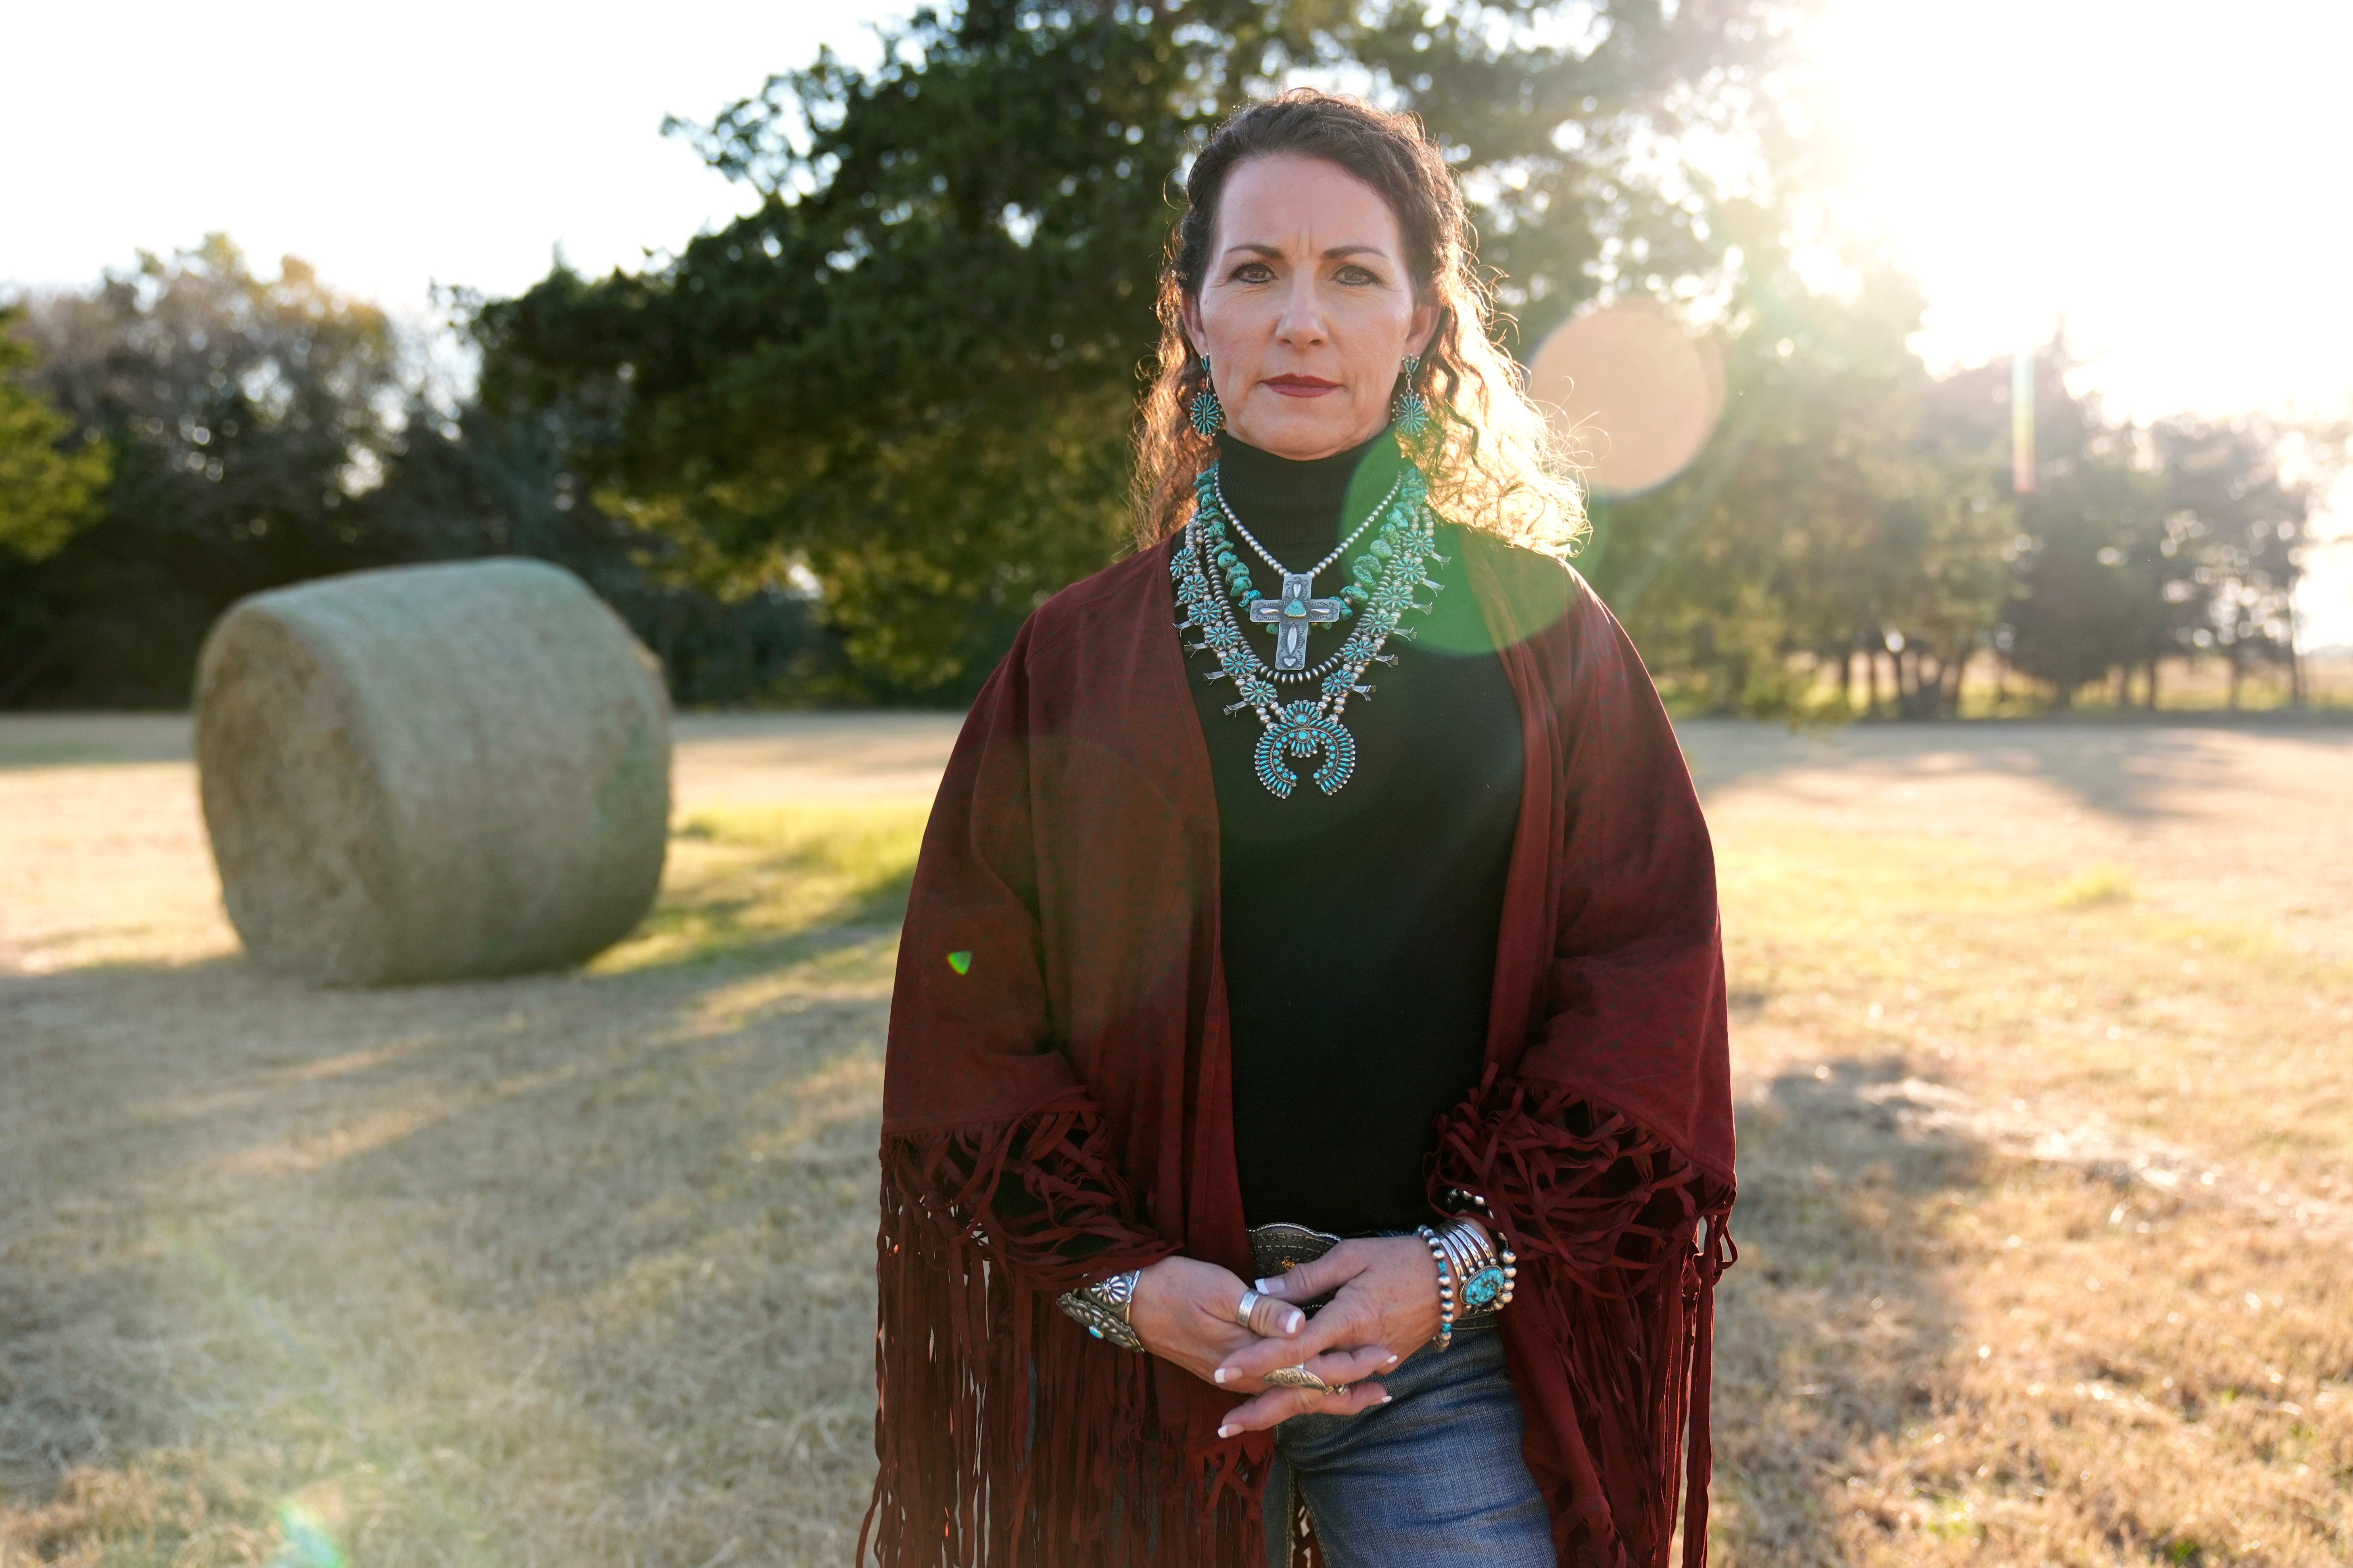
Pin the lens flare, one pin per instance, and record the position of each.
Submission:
(1632, 390)
(309, 1542)
(2021, 421)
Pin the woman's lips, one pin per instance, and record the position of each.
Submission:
(1301, 386)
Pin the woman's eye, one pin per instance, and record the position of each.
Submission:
(1253, 272)
(1356, 275)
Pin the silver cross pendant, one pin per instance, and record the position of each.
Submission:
(1291, 615)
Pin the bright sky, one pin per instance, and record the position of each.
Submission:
(392, 146)
(2169, 178)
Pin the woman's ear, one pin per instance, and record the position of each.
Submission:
(1188, 311)
(1421, 329)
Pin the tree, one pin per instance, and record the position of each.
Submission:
(2143, 543)
(47, 487)
(468, 484)
(1834, 509)
(2085, 590)
(270, 433)
(246, 415)
(2233, 529)
(913, 370)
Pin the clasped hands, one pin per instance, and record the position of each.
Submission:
(1385, 1308)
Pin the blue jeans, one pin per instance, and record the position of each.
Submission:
(1432, 1478)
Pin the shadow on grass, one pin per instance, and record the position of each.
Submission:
(1834, 1317)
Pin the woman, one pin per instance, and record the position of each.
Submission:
(1228, 993)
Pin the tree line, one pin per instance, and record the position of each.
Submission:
(1854, 516)
(195, 432)
(838, 448)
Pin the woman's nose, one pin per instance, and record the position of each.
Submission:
(1301, 323)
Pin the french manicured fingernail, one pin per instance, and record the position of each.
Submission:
(1385, 1399)
(1228, 1431)
(1220, 1375)
(1292, 1322)
(1268, 1288)
(1390, 1363)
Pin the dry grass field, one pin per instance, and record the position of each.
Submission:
(2045, 1047)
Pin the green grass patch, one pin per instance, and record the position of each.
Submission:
(745, 879)
(2100, 885)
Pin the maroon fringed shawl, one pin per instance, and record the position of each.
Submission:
(1059, 1069)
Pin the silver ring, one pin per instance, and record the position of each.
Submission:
(1250, 1299)
(1298, 1377)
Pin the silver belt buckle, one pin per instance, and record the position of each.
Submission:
(1281, 1247)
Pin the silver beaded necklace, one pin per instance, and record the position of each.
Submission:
(1393, 569)
(1218, 489)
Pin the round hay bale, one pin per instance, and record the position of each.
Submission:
(432, 772)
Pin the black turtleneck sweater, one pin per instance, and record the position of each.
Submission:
(1359, 927)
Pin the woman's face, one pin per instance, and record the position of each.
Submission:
(1307, 309)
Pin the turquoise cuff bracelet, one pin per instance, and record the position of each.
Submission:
(1475, 1277)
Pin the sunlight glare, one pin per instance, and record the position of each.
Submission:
(2167, 178)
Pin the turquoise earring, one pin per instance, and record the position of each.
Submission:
(1410, 411)
(1208, 414)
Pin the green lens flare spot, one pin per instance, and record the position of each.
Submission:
(961, 962)
(309, 1543)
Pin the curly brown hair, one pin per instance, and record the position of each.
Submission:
(1491, 460)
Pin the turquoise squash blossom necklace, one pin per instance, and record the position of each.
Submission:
(1383, 580)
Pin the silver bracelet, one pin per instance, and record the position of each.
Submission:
(1439, 1256)
(1101, 1308)
(1487, 1267)
(1483, 1279)
(1464, 1253)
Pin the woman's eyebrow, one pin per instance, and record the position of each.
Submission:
(1331, 253)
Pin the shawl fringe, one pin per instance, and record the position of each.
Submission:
(1620, 1240)
(1007, 1435)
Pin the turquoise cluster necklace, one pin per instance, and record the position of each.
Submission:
(1213, 582)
